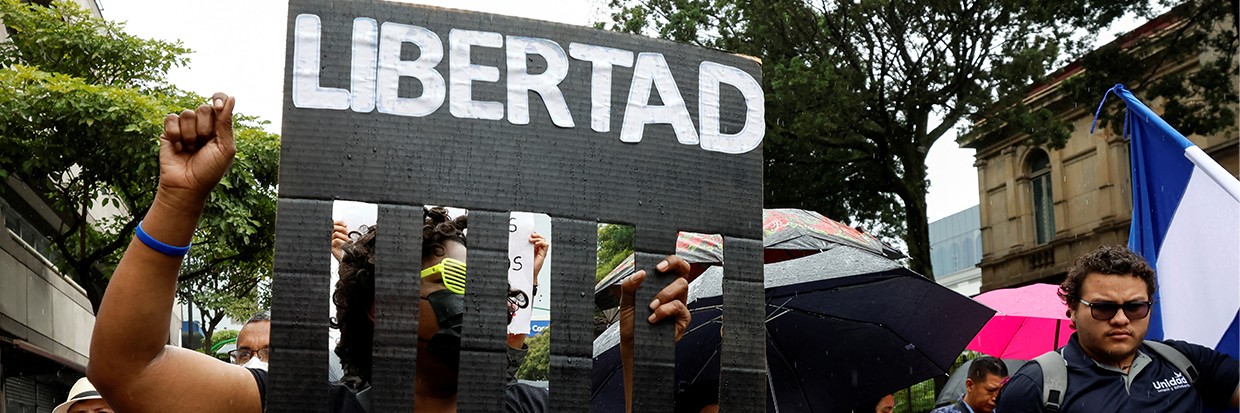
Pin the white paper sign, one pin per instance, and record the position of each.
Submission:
(520, 271)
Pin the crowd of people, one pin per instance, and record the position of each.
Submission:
(1106, 366)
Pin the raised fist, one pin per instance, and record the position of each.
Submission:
(196, 149)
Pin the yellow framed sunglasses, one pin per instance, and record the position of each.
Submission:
(451, 271)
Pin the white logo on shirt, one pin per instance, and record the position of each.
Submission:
(1174, 383)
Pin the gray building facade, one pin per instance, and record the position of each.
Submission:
(956, 249)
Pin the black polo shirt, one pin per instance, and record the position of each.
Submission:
(1156, 388)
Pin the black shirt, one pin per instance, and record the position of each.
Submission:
(341, 399)
(1156, 387)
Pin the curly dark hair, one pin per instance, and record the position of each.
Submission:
(354, 295)
(438, 227)
(1109, 260)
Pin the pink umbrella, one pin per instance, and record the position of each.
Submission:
(1030, 320)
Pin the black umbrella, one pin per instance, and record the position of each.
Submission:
(954, 388)
(843, 326)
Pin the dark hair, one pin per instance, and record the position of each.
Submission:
(438, 227)
(1108, 260)
(259, 316)
(354, 295)
(986, 365)
(869, 406)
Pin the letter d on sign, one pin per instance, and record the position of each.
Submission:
(710, 75)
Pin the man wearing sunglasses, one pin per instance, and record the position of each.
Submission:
(1110, 368)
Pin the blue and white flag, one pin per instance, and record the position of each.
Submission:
(1186, 223)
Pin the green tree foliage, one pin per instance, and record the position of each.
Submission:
(538, 361)
(235, 291)
(225, 335)
(615, 243)
(84, 104)
(220, 337)
(858, 91)
(229, 272)
(916, 399)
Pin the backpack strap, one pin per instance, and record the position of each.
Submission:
(1176, 358)
(1055, 372)
(1054, 379)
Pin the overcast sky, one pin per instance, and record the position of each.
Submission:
(239, 49)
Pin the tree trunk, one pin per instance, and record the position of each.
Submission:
(188, 342)
(917, 232)
(208, 330)
(940, 381)
(94, 288)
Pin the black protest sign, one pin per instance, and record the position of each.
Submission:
(405, 106)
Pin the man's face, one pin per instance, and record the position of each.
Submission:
(90, 406)
(980, 395)
(886, 405)
(1114, 341)
(254, 336)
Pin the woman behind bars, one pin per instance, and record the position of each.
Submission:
(356, 286)
(441, 312)
(130, 363)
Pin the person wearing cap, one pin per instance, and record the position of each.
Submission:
(83, 399)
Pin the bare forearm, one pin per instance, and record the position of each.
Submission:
(132, 325)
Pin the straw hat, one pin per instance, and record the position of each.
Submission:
(82, 390)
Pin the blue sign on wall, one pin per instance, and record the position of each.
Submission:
(537, 326)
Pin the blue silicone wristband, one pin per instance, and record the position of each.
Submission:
(160, 247)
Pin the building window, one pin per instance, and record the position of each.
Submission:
(26, 231)
(1043, 204)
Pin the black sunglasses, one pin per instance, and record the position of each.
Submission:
(1134, 310)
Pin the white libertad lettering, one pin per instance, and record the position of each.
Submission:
(651, 69)
(546, 84)
(391, 69)
(710, 76)
(464, 74)
(307, 93)
(365, 42)
(377, 69)
(602, 59)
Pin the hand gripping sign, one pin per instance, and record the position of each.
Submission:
(405, 106)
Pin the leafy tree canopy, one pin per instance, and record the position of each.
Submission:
(84, 106)
(858, 91)
(538, 361)
(615, 243)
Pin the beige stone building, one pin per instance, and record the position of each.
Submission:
(1041, 208)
